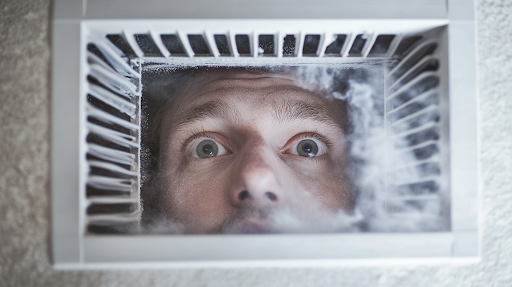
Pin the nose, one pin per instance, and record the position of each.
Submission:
(255, 181)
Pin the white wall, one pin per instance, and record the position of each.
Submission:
(24, 175)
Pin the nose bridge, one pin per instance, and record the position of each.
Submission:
(257, 181)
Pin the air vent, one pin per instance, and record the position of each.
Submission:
(412, 114)
(412, 68)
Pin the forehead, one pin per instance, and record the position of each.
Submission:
(242, 87)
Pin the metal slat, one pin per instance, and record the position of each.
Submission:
(109, 154)
(108, 118)
(410, 57)
(113, 80)
(109, 51)
(109, 183)
(112, 100)
(113, 136)
(111, 167)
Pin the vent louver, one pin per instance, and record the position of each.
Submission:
(311, 45)
(113, 124)
(413, 121)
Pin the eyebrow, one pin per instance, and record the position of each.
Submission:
(288, 111)
(282, 112)
(210, 109)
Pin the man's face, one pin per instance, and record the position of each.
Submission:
(250, 153)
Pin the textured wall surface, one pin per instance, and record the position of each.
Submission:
(24, 175)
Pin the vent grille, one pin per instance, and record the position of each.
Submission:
(113, 132)
(151, 45)
(412, 113)
(413, 121)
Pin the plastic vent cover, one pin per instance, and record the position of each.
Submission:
(101, 51)
(414, 103)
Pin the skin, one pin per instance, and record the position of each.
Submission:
(257, 121)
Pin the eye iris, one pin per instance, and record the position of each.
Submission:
(307, 148)
(207, 148)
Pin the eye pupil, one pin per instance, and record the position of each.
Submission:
(307, 148)
(207, 148)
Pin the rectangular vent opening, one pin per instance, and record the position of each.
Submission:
(407, 44)
(199, 45)
(381, 45)
(334, 48)
(147, 45)
(173, 44)
(311, 43)
(357, 47)
(119, 41)
(289, 43)
(266, 45)
(243, 45)
(222, 45)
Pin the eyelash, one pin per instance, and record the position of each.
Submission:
(288, 148)
(316, 136)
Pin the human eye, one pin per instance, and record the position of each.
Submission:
(206, 148)
(308, 146)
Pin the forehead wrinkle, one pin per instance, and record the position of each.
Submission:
(242, 81)
(249, 82)
(291, 110)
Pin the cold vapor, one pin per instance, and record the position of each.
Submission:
(381, 160)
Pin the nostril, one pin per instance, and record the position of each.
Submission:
(243, 195)
(271, 195)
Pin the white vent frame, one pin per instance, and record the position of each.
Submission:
(72, 248)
